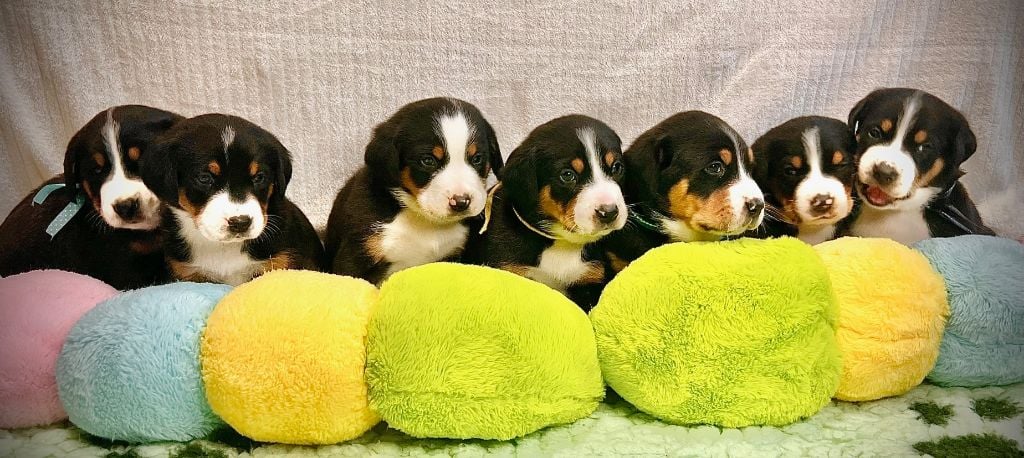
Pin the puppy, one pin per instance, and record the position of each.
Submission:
(806, 168)
(110, 218)
(911, 145)
(559, 194)
(425, 175)
(687, 179)
(223, 180)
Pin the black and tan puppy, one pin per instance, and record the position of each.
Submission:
(911, 144)
(559, 194)
(425, 176)
(223, 180)
(99, 219)
(806, 168)
(687, 179)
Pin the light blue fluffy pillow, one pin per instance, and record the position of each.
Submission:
(129, 369)
(984, 340)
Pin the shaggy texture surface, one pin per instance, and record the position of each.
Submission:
(888, 427)
(733, 333)
(892, 309)
(984, 340)
(463, 351)
(37, 310)
(130, 367)
(283, 358)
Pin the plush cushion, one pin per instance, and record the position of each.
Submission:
(130, 367)
(731, 333)
(284, 357)
(37, 310)
(892, 310)
(463, 351)
(984, 340)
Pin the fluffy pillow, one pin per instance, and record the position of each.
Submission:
(892, 310)
(984, 340)
(731, 333)
(463, 352)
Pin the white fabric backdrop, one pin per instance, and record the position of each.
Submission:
(321, 74)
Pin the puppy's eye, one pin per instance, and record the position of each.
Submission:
(428, 161)
(98, 169)
(259, 178)
(790, 170)
(875, 132)
(715, 169)
(204, 179)
(617, 168)
(924, 147)
(476, 159)
(567, 176)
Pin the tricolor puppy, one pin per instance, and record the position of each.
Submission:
(559, 194)
(911, 145)
(806, 168)
(224, 179)
(687, 179)
(113, 235)
(425, 176)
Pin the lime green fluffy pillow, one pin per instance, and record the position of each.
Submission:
(731, 333)
(463, 352)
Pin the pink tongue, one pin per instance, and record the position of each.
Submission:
(877, 196)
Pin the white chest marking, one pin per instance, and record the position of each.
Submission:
(904, 226)
(218, 261)
(409, 241)
(561, 265)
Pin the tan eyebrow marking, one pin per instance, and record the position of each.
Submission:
(253, 168)
(837, 157)
(134, 153)
(577, 165)
(886, 125)
(921, 136)
(438, 152)
(726, 156)
(609, 158)
(214, 167)
(797, 161)
(100, 159)
(471, 149)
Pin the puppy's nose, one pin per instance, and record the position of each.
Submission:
(127, 208)
(754, 206)
(606, 213)
(821, 204)
(239, 224)
(459, 202)
(884, 174)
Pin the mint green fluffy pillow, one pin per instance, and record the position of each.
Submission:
(730, 333)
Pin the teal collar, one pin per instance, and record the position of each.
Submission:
(65, 215)
(643, 222)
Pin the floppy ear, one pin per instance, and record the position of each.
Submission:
(761, 149)
(494, 159)
(854, 118)
(382, 157)
(76, 149)
(644, 160)
(284, 171)
(519, 178)
(965, 143)
(159, 171)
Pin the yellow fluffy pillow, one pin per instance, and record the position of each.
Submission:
(892, 311)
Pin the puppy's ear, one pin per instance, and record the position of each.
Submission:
(965, 143)
(494, 159)
(645, 159)
(519, 178)
(159, 171)
(382, 157)
(762, 151)
(854, 118)
(284, 172)
(77, 148)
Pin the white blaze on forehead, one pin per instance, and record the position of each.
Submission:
(892, 153)
(816, 183)
(228, 137)
(118, 186)
(456, 177)
(601, 190)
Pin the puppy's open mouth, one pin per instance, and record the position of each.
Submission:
(877, 197)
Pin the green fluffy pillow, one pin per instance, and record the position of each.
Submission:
(460, 351)
(731, 333)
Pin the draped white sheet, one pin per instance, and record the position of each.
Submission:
(320, 74)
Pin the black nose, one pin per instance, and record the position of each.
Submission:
(755, 205)
(239, 224)
(884, 174)
(821, 204)
(127, 208)
(459, 203)
(607, 213)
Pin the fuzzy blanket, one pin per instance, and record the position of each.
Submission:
(928, 420)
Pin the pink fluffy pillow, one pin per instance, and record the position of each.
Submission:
(37, 310)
